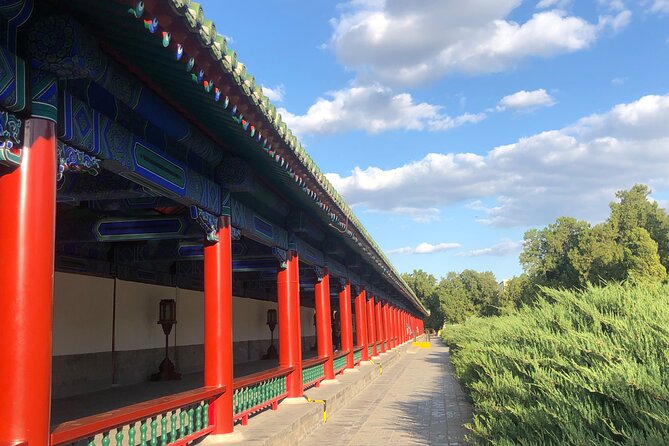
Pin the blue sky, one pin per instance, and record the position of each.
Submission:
(453, 127)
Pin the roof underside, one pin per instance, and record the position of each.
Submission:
(242, 121)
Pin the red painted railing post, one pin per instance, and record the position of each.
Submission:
(386, 325)
(361, 323)
(218, 325)
(290, 333)
(27, 244)
(371, 325)
(380, 329)
(324, 322)
(346, 321)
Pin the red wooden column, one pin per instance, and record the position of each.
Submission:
(388, 325)
(27, 243)
(381, 335)
(290, 334)
(346, 320)
(371, 325)
(218, 325)
(324, 320)
(361, 323)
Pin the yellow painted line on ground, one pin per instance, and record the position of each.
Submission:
(421, 344)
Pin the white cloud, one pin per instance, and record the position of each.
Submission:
(372, 109)
(274, 94)
(419, 215)
(408, 43)
(501, 249)
(526, 100)
(618, 81)
(661, 6)
(425, 248)
(571, 171)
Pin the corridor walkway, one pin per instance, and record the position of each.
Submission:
(416, 402)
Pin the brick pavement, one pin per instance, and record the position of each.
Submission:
(415, 402)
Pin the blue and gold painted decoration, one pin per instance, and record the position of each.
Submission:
(156, 167)
(191, 251)
(307, 253)
(254, 265)
(12, 82)
(139, 228)
(59, 45)
(76, 161)
(281, 255)
(44, 88)
(257, 228)
(207, 221)
(11, 139)
(336, 268)
(134, 158)
(16, 13)
(263, 227)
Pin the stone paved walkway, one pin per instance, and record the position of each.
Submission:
(415, 402)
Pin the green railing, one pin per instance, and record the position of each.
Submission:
(339, 362)
(174, 419)
(256, 392)
(369, 350)
(357, 355)
(313, 371)
(385, 345)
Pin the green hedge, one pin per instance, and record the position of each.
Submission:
(579, 368)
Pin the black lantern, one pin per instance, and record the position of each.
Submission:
(271, 323)
(315, 346)
(167, 317)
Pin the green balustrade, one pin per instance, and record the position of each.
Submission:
(357, 356)
(258, 394)
(164, 429)
(369, 350)
(339, 363)
(313, 373)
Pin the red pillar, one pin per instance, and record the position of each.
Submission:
(398, 326)
(218, 325)
(27, 243)
(371, 325)
(386, 328)
(290, 335)
(361, 324)
(346, 321)
(324, 322)
(381, 335)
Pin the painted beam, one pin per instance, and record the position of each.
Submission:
(134, 158)
(257, 228)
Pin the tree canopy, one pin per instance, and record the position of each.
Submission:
(631, 245)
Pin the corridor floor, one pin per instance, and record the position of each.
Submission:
(415, 402)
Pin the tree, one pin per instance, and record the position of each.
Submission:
(516, 292)
(640, 257)
(482, 290)
(424, 286)
(455, 303)
(545, 256)
(635, 210)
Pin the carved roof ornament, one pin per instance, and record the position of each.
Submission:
(281, 255)
(207, 221)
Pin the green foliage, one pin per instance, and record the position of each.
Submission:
(456, 304)
(631, 245)
(576, 368)
(424, 286)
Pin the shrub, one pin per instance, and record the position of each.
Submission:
(578, 368)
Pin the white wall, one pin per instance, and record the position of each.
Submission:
(82, 318)
(82, 314)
